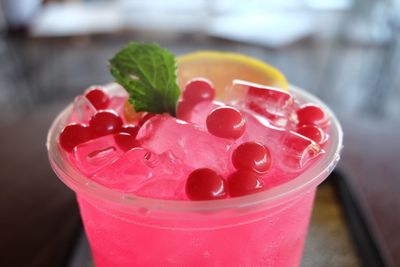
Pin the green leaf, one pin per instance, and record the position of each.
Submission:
(148, 73)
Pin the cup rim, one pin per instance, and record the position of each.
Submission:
(318, 171)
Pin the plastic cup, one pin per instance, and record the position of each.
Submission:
(262, 229)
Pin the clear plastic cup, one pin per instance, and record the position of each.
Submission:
(262, 229)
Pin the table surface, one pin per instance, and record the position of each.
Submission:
(39, 217)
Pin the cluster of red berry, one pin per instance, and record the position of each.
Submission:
(250, 158)
(312, 121)
(104, 121)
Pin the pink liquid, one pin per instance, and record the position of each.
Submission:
(260, 233)
(271, 237)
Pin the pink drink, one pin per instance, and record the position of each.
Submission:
(150, 222)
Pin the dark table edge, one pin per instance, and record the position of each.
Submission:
(364, 242)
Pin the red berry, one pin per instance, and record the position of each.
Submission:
(205, 184)
(126, 138)
(198, 90)
(125, 141)
(252, 156)
(130, 129)
(312, 132)
(244, 182)
(105, 122)
(145, 117)
(226, 122)
(73, 135)
(98, 98)
(311, 115)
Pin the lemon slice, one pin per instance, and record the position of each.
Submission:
(221, 68)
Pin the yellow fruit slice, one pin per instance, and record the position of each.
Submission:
(130, 115)
(222, 68)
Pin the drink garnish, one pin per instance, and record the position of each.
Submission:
(148, 73)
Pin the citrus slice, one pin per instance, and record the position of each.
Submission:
(221, 68)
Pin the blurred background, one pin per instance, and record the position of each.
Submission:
(347, 52)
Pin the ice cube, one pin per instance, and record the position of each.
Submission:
(275, 104)
(199, 112)
(82, 110)
(118, 97)
(297, 151)
(162, 189)
(188, 142)
(117, 104)
(95, 154)
(196, 113)
(126, 172)
(145, 174)
(114, 90)
(168, 176)
(290, 151)
(260, 129)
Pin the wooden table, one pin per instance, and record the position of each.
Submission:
(39, 218)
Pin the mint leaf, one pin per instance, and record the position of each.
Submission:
(148, 73)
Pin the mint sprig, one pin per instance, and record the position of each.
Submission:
(148, 73)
